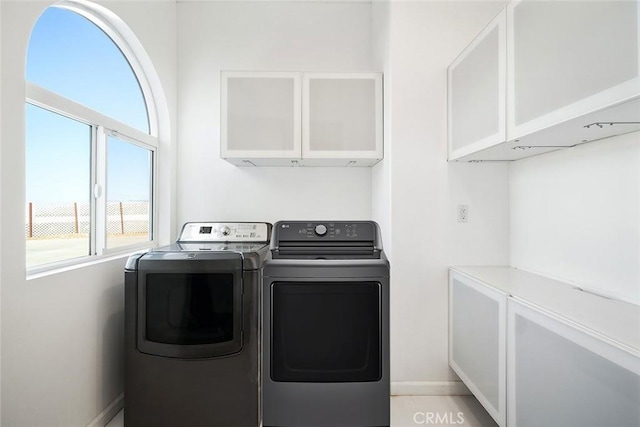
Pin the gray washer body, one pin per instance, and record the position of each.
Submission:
(326, 404)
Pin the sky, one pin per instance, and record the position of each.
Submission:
(71, 56)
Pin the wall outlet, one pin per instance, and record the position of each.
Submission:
(463, 213)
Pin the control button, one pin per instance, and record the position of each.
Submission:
(225, 231)
(321, 230)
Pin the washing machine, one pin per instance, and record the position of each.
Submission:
(326, 326)
(192, 322)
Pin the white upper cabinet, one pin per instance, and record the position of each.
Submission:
(572, 76)
(301, 119)
(260, 116)
(476, 92)
(342, 117)
(569, 58)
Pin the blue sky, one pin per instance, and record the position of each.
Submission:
(69, 55)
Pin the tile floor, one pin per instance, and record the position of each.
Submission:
(413, 411)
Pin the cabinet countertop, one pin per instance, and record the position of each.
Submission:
(615, 320)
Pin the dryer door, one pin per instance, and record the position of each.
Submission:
(190, 304)
(326, 331)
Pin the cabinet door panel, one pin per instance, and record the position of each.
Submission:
(477, 342)
(331, 102)
(564, 52)
(562, 376)
(342, 115)
(477, 92)
(260, 115)
(476, 83)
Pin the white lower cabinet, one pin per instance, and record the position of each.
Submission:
(477, 333)
(562, 375)
(538, 352)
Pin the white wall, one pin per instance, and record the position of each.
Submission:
(575, 215)
(381, 174)
(424, 39)
(1, 236)
(296, 36)
(62, 335)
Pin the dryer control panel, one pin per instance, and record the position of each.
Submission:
(225, 232)
(335, 231)
(326, 240)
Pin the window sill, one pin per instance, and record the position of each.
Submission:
(88, 261)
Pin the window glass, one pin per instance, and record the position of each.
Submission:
(129, 207)
(71, 56)
(58, 183)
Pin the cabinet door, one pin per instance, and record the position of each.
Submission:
(260, 115)
(342, 118)
(569, 58)
(562, 375)
(476, 92)
(477, 333)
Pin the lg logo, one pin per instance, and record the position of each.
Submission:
(438, 418)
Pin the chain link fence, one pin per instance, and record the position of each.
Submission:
(66, 220)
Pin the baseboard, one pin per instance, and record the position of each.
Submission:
(109, 412)
(429, 388)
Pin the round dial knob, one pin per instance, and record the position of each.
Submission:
(225, 231)
(321, 229)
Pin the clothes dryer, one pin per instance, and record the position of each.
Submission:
(326, 326)
(192, 328)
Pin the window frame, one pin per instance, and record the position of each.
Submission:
(102, 126)
(155, 102)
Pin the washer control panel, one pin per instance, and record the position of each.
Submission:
(336, 231)
(225, 232)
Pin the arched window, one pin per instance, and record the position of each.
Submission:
(91, 141)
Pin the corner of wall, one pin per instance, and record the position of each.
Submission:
(381, 197)
(1, 204)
